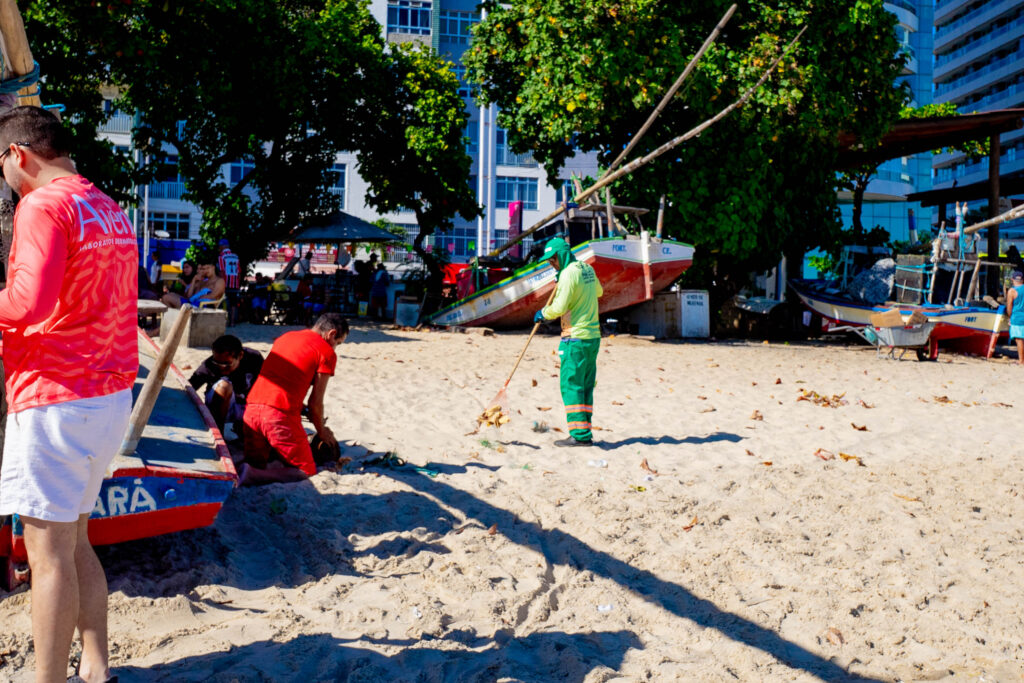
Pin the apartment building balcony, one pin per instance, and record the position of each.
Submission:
(982, 79)
(118, 123)
(948, 8)
(503, 157)
(166, 190)
(999, 39)
(905, 11)
(972, 22)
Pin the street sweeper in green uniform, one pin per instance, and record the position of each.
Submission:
(575, 302)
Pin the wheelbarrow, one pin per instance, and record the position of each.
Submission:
(904, 338)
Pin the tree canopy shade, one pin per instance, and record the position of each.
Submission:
(584, 76)
(279, 85)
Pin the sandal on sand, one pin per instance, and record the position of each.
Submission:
(78, 679)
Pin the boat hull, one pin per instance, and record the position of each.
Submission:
(630, 271)
(965, 328)
(177, 479)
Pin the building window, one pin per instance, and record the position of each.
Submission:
(338, 186)
(176, 224)
(460, 73)
(456, 27)
(239, 169)
(505, 156)
(472, 135)
(512, 188)
(409, 16)
(566, 191)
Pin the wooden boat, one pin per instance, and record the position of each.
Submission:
(177, 478)
(631, 268)
(970, 329)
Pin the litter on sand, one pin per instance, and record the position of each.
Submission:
(494, 416)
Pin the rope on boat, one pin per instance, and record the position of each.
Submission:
(16, 83)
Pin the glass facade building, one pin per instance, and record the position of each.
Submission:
(897, 178)
(979, 66)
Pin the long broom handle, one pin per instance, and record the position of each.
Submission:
(536, 326)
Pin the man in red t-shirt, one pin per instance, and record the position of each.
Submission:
(276, 447)
(68, 316)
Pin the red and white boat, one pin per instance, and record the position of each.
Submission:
(631, 268)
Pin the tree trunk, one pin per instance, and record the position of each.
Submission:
(435, 276)
(859, 188)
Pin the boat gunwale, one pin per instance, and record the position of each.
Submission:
(219, 444)
(529, 269)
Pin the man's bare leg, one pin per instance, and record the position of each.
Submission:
(255, 476)
(55, 594)
(220, 401)
(92, 608)
(1020, 351)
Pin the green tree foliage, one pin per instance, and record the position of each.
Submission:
(282, 84)
(585, 75)
(418, 103)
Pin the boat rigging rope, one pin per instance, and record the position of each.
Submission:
(16, 83)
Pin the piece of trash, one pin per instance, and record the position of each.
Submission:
(598, 463)
(834, 636)
(859, 428)
(749, 452)
(486, 444)
(494, 416)
(778, 380)
(847, 456)
(865, 404)
(533, 382)
(618, 403)
(908, 498)
(493, 530)
(833, 401)
(943, 399)
(647, 468)
(638, 489)
(999, 404)
(527, 466)
(648, 477)
(543, 408)
(825, 455)
(416, 612)
(767, 463)
(605, 608)
(709, 409)
(693, 523)
(540, 427)
(757, 415)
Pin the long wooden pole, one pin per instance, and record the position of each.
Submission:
(151, 389)
(673, 90)
(18, 51)
(536, 326)
(642, 161)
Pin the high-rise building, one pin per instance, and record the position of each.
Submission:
(979, 66)
(896, 178)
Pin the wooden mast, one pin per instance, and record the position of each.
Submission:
(16, 47)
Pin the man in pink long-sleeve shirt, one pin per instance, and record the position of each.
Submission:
(70, 355)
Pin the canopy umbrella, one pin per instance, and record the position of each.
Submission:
(339, 227)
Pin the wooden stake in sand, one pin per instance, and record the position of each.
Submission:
(151, 389)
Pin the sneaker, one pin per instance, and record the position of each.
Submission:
(570, 442)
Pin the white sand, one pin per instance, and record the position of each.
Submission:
(909, 566)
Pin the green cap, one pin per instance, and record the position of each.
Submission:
(557, 247)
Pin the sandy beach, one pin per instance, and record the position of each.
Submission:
(764, 512)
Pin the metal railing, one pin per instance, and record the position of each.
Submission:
(903, 4)
(980, 41)
(506, 158)
(952, 26)
(943, 88)
(166, 190)
(118, 123)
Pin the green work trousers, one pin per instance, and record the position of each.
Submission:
(578, 376)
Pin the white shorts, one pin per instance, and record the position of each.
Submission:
(55, 456)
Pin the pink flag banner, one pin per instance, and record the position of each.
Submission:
(515, 226)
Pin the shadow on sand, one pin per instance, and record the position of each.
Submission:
(550, 656)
